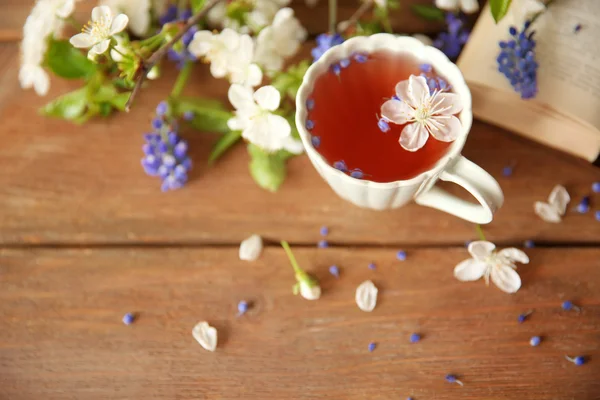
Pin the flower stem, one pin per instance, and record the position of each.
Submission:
(182, 78)
(480, 232)
(332, 16)
(290, 255)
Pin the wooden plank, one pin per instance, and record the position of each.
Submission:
(315, 20)
(62, 336)
(63, 183)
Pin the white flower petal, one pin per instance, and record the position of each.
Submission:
(559, 198)
(82, 41)
(100, 48)
(118, 24)
(402, 92)
(480, 249)
(229, 38)
(426, 40)
(293, 146)
(469, 270)
(65, 9)
(546, 212)
(218, 68)
(310, 292)
(366, 296)
(101, 13)
(41, 82)
(397, 112)
(506, 279)
(237, 124)
(206, 335)
(413, 137)
(469, 6)
(449, 5)
(251, 248)
(201, 43)
(240, 97)
(514, 255)
(268, 98)
(447, 104)
(418, 91)
(444, 129)
(254, 75)
(245, 51)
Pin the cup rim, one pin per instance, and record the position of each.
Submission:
(397, 44)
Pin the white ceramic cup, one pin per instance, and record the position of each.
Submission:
(452, 167)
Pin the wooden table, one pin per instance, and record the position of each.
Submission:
(85, 237)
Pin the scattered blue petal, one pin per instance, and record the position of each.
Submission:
(596, 187)
(323, 244)
(324, 231)
(335, 271)
(568, 305)
(243, 307)
(383, 125)
(372, 346)
(452, 379)
(188, 115)
(401, 255)
(415, 337)
(325, 41)
(535, 341)
(128, 318)
(340, 165)
(597, 215)
(372, 266)
(161, 108)
(336, 69)
(583, 208)
(507, 171)
(577, 28)
(345, 63)
(310, 104)
(310, 124)
(427, 68)
(523, 317)
(529, 244)
(316, 141)
(579, 360)
(357, 173)
(360, 58)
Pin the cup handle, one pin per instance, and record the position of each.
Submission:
(474, 179)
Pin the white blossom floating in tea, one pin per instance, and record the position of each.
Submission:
(423, 113)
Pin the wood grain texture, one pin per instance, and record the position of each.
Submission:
(63, 183)
(62, 336)
(315, 20)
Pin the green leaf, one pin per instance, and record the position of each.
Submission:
(68, 62)
(108, 94)
(223, 144)
(209, 115)
(69, 106)
(267, 169)
(428, 12)
(499, 8)
(197, 5)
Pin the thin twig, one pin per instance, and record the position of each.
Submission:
(158, 54)
(364, 7)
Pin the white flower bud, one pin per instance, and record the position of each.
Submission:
(251, 248)
(310, 292)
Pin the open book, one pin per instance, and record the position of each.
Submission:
(565, 114)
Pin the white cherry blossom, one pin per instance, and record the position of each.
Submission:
(366, 296)
(45, 20)
(98, 33)
(138, 12)
(206, 335)
(255, 118)
(423, 113)
(263, 12)
(280, 40)
(309, 290)
(466, 6)
(242, 69)
(251, 248)
(487, 263)
(523, 10)
(555, 208)
(216, 48)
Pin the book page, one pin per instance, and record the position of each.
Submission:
(569, 72)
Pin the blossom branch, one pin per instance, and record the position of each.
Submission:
(364, 7)
(158, 54)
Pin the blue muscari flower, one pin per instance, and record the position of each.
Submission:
(183, 55)
(452, 41)
(516, 61)
(325, 41)
(579, 360)
(243, 307)
(128, 318)
(165, 155)
(535, 341)
(174, 14)
(372, 346)
(316, 141)
(415, 337)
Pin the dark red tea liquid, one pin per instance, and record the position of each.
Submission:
(343, 115)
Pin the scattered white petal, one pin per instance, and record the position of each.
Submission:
(206, 335)
(251, 248)
(556, 207)
(366, 296)
(466, 6)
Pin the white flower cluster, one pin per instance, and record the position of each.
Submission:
(44, 21)
(138, 12)
(262, 13)
(239, 58)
